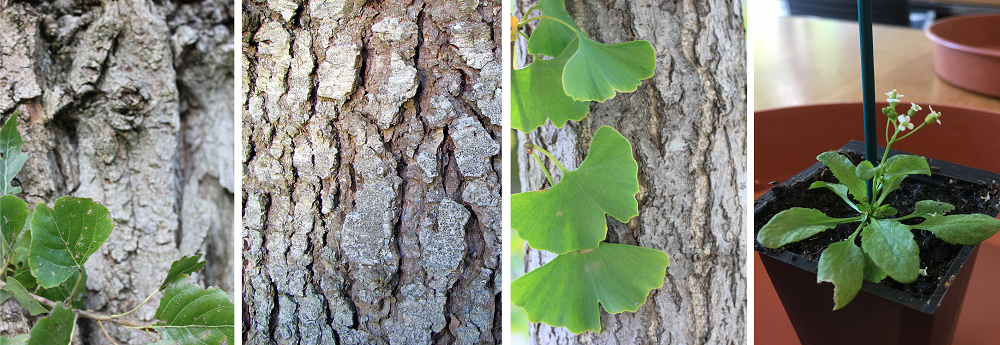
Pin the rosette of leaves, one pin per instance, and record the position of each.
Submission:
(569, 71)
(44, 253)
(887, 245)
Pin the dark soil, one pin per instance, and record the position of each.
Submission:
(935, 255)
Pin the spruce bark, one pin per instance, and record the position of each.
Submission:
(371, 186)
(128, 103)
(687, 126)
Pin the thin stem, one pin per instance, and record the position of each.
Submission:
(89, 314)
(547, 154)
(75, 286)
(137, 307)
(555, 19)
(545, 170)
(526, 13)
(911, 132)
(106, 333)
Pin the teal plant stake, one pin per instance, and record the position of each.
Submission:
(867, 80)
(568, 219)
(887, 245)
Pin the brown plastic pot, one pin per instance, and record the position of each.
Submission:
(878, 314)
(967, 52)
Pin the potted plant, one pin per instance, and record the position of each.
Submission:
(871, 238)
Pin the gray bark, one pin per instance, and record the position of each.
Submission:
(371, 186)
(687, 126)
(128, 103)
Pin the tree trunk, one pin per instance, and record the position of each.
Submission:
(687, 126)
(128, 103)
(371, 186)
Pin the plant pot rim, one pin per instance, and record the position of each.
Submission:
(878, 104)
(947, 169)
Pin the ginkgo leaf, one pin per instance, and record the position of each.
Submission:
(13, 158)
(23, 297)
(55, 329)
(566, 291)
(550, 37)
(597, 70)
(64, 237)
(192, 315)
(570, 215)
(13, 215)
(186, 265)
(538, 95)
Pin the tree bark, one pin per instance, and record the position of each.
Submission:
(128, 103)
(687, 126)
(371, 186)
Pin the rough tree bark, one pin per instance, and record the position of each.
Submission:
(687, 126)
(371, 185)
(128, 103)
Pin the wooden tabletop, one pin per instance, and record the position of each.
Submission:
(810, 60)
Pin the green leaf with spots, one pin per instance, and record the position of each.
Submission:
(185, 266)
(23, 297)
(538, 95)
(192, 315)
(566, 291)
(796, 224)
(64, 237)
(597, 70)
(12, 159)
(13, 215)
(55, 329)
(550, 37)
(842, 264)
(570, 215)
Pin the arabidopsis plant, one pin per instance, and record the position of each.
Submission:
(887, 245)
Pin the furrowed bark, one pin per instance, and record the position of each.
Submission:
(128, 103)
(687, 126)
(372, 172)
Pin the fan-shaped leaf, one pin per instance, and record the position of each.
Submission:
(64, 237)
(55, 329)
(538, 95)
(550, 37)
(192, 315)
(597, 70)
(570, 216)
(13, 158)
(566, 291)
(186, 265)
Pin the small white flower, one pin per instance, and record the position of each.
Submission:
(904, 122)
(933, 117)
(914, 107)
(893, 96)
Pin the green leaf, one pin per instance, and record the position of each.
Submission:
(570, 215)
(907, 165)
(845, 172)
(14, 213)
(538, 95)
(62, 292)
(842, 264)
(872, 272)
(192, 315)
(55, 329)
(597, 70)
(20, 339)
(566, 291)
(886, 210)
(23, 297)
(22, 250)
(891, 183)
(865, 171)
(13, 158)
(931, 209)
(186, 265)
(840, 189)
(550, 37)
(967, 229)
(796, 224)
(890, 245)
(63, 238)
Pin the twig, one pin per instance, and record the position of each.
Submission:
(106, 333)
(87, 313)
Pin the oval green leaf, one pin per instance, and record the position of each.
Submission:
(192, 315)
(840, 189)
(14, 214)
(967, 229)
(796, 224)
(13, 159)
(846, 173)
(550, 37)
(842, 264)
(55, 329)
(64, 237)
(570, 215)
(538, 95)
(597, 70)
(907, 165)
(566, 291)
(890, 245)
(22, 296)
